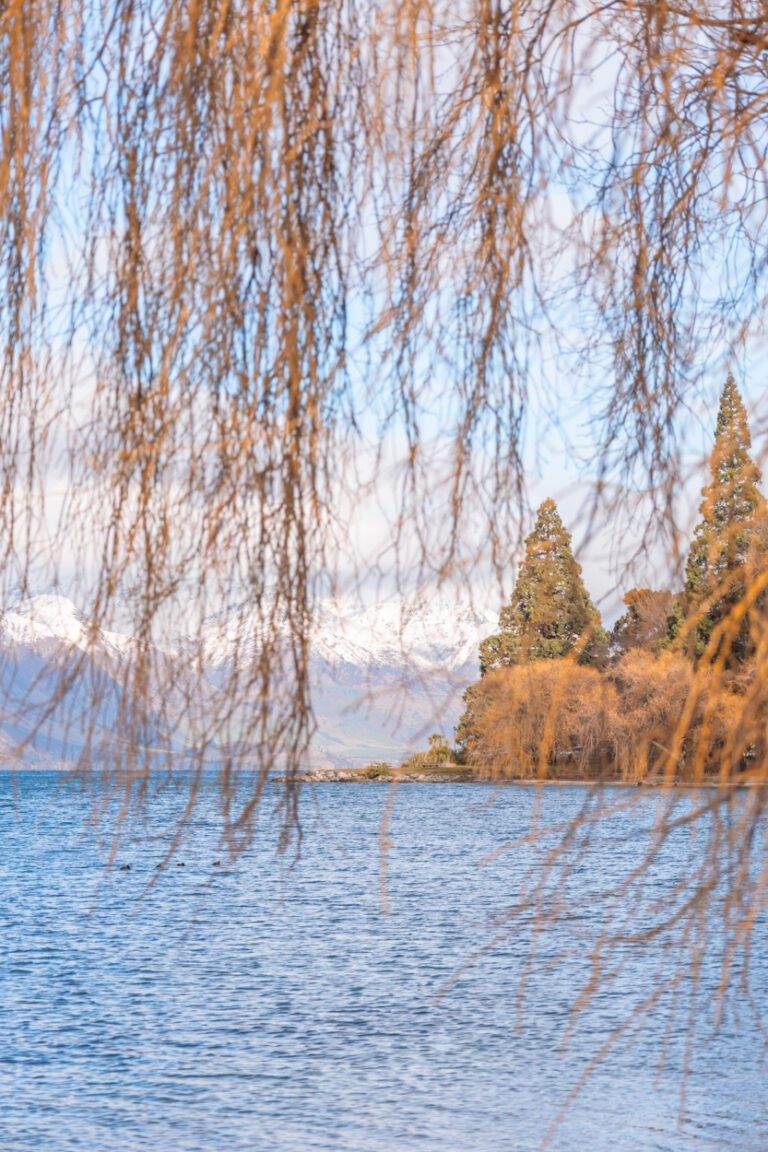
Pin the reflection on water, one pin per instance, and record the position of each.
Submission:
(257, 1006)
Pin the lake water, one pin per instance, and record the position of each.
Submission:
(259, 1005)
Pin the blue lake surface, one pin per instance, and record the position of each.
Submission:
(273, 1003)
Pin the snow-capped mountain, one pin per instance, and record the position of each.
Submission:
(436, 633)
(44, 621)
(384, 676)
(435, 630)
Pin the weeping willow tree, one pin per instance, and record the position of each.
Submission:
(241, 242)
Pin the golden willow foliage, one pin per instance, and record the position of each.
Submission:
(643, 719)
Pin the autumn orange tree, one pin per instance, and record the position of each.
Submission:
(646, 622)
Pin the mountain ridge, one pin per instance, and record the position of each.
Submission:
(383, 675)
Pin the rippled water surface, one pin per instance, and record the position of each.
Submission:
(260, 1006)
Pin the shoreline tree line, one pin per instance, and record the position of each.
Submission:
(667, 692)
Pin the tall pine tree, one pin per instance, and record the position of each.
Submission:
(729, 540)
(550, 611)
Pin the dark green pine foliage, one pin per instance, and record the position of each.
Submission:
(729, 540)
(550, 611)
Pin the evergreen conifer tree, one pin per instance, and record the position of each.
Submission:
(729, 540)
(550, 610)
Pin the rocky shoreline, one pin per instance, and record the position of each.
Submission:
(464, 775)
(452, 775)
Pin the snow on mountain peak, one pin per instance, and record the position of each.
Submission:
(46, 617)
(426, 632)
(49, 618)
